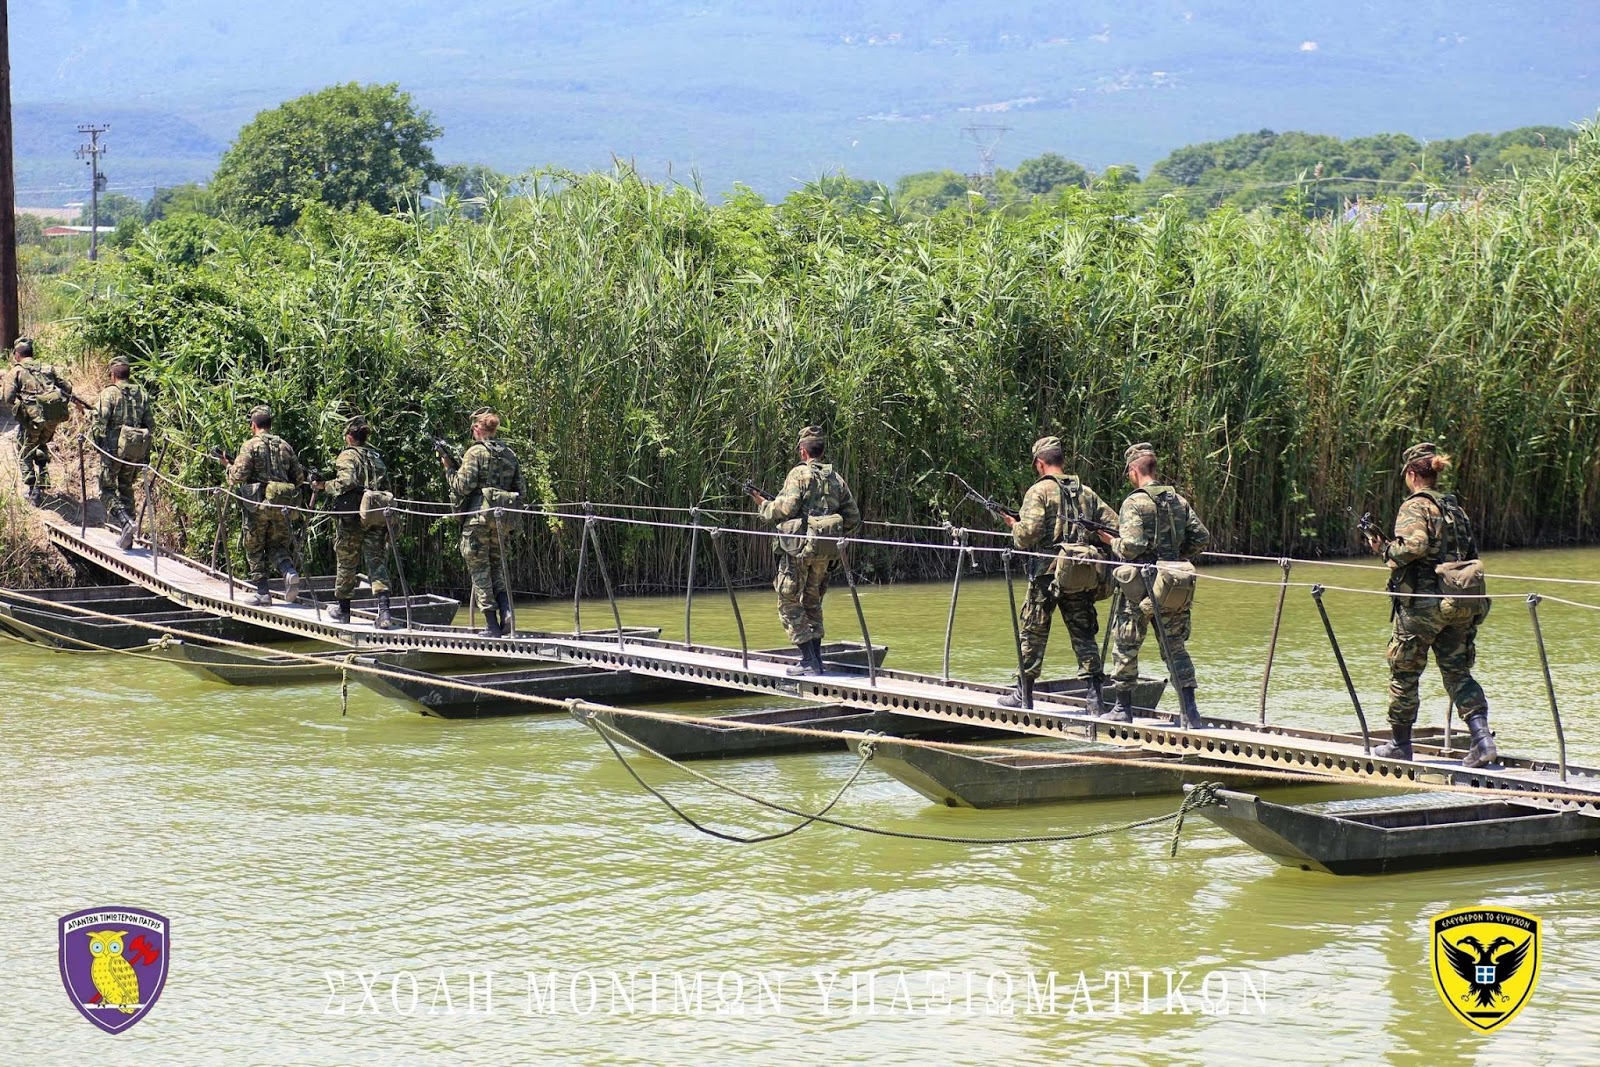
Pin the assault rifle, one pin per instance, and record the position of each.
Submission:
(1095, 526)
(1367, 528)
(752, 489)
(987, 503)
(446, 456)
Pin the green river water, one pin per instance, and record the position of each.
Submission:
(299, 853)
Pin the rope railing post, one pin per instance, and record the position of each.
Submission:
(861, 616)
(1272, 643)
(144, 505)
(1449, 714)
(220, 545)
(507, 625)
(83, 486)
(305, 559)
(1024, 683)
(959, 537)
(583, 562)
(688, 594)
(399, 571)
(733, 599)
(1549, 683)
(1350, 686)
(605, 576)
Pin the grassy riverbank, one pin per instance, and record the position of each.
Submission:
(644, 346)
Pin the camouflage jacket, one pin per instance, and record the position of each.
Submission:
(121, 405)
(1043, 522)
(1430, 528)
(1157, 523)
(813, 489)
(488, 464)
(357, 469)
(264, 458)
(29, 378)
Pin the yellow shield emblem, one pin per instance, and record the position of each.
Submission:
(1485, 963)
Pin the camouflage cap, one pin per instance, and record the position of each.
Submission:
(811, 433)
(22, 347)
(122, 359)
(482, 411)
(1046, 444)
(1417, 451)
(260, 411)
(1134, 451)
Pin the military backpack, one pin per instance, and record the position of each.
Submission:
(1172, 588)
(132, 443)
(815, 532)
(1459, 570)
(45, 394)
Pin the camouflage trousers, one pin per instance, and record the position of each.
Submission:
(1128, 628)
(116, 489)
(480, 548)
(1452, 634)
(267, 543)
(800, 585)
(353, 545)
(33, 451)
(1077, 611)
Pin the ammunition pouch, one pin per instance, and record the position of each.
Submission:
(791, 540)
(1078, 571)
(501, 498)
(282, 494)
(1172, 590)
(133, 444)
(250, 496)
(1462, 578)
(374, 508)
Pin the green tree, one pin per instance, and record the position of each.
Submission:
(1045, 174)
(188, 198)
(345, 145)
(114, 207)
(30, 231)
(931, 191)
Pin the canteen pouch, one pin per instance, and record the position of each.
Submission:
(501, 498)
(820, 534)
(1174, 586)
(250, 497)
(1135, 593)
(282, 494)
(1462, 578)
(374, 508)
(52, 405)
(1075, 575)
(133, 444)
(791, 540)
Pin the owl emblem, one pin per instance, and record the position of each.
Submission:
(114, 977)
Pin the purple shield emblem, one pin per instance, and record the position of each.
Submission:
(113, 963)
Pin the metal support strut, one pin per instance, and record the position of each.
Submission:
(1549, 685)
(83, 487)
(1366, 738)
(1272, 643)
(1024, 683)
(399, 571)
(605, 575)
(733, 598)
(583, 562)
(144, 505)
(688, 593)
(508, 625)
(959, 537)
(861, 617)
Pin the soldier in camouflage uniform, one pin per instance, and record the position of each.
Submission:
(486, 465)
(1156, 524)
(29, 388)
(1432, 528)
(812, 490)
(266, 467)
(124, 421)
(357, 469)
(1045, 521)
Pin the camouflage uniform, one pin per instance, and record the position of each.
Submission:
(1156, 523)
(1043, 522)
(357, 469)
(1448, 626)
(488, 464)
(812, 489)
(265, 458)
(120, 404)
(24, 383)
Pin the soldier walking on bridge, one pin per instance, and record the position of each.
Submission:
(359, 470)
(40, 397)
(124, 422)
(488, 479)
(268, 475)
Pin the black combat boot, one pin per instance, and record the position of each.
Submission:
(1012, 699)
(36, 496)
(124, 531)
(1400, 747)
(803, 665)
(1483, 751)
(386, 614)
(341, 612)
(503, 600)
(1189, 715)
(1094, 702)
(491, 623)
(262, 599)
(291, 582)
(817, 662)
(1122, 706)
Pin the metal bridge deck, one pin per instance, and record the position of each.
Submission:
(192, 584)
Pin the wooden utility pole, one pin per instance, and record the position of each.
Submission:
(10, 322)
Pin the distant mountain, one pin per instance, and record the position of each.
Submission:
(771, 94)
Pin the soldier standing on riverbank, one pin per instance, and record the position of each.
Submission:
(39, 395)
(268, 475)
(124, 422)
(488, 478)
(1045, 521)
(1433, 555)
(359, 469)
(813, 508)
(1157, 527)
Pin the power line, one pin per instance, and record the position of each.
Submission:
(987, 138)
(93, 151)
